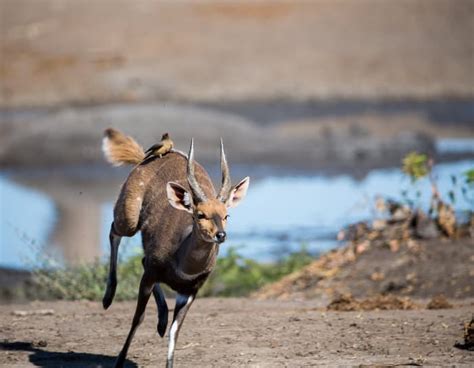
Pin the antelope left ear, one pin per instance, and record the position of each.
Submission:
(237, 193)
(179, 197)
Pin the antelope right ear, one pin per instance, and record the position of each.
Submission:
(238, 193)
(179, 197)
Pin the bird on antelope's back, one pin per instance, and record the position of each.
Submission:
(160, 149)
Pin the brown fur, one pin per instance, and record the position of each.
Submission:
(120, 149)
(143, 206)
(181, 229)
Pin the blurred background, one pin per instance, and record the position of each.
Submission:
(318, 101)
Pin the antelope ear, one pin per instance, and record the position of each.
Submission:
(237, 193)
(179, 197)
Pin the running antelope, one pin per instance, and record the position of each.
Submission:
(172, 201)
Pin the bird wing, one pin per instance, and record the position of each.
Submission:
(154, 147)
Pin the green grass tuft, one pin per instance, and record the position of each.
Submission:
(233, 275)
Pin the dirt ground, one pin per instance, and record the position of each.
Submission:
(419, 270)
(234, 333)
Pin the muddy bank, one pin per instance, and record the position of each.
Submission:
(234, 333)
(72, 136)
(279, 81)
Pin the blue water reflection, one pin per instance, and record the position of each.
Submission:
(26, 220)
(283, 213)
(280, 213)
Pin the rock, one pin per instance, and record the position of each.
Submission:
(446, 219)
(394, 245)
(377, 302)
(468, 337)
(425, 227)
(439, 302)
(41, 344)
(379, 224)
(343, 303)
(362, 247)
(39, 312)
(377, 276)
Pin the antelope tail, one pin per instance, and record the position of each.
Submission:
(120, 149)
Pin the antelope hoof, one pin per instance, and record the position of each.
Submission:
(107, 301)
(161, 328)
(108, 297)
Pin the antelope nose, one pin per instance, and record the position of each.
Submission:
(220, 236)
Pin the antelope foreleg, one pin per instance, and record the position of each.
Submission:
(183, 303)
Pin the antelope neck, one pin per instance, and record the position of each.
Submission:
(196, 255)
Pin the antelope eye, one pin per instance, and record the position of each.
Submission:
(227, 217)
(201, 216)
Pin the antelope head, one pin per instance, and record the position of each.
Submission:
(209, 214)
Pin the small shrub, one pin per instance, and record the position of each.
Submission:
(233, 275)
(416, 165)
(469, 177)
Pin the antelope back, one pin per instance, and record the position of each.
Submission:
(143, 204)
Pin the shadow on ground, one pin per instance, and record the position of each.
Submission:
(43, 358)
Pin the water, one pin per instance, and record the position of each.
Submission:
(70, 220)
(283, 213)
(455, 145)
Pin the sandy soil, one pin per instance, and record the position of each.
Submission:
(233, 333)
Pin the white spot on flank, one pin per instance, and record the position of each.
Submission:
(141, 184)
(139, 199)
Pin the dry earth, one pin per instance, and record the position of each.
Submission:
(234, 333)
(57, 52)
(422, 270)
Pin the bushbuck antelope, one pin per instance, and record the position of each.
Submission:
(172, 201)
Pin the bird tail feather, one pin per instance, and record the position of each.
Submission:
(120, 149)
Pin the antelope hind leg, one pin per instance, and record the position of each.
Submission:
(146, 287)
(112, 279)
